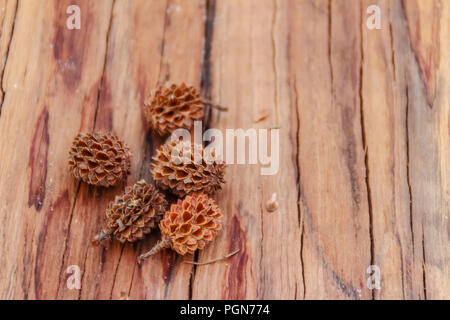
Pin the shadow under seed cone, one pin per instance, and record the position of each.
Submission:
(133, 214)
(173, 107)
(99, 159)
(174, 168)
(188, 225)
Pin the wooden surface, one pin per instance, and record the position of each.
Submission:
(364, 145)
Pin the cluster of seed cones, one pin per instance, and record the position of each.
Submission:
(104, 160)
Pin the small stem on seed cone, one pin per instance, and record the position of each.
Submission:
(213, 105)
(161, 244)
(214, 260)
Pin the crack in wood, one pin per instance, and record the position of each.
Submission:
(80, 293)
(329, 50)
(402, 272)
(25, 262)
(132, 278)
(115, 272)
(424, 263)
(394, 77)
(261, 248)
(205, 85)
(93, 128)
(424, 87)
(408, 176)
(298, 179)
(392, 50)
(2, 76)
(421, 70)
(67, 239)
(102, 78)
(147, 148)
(206, 81)
(365, 146)
(302, 261)
(346, 288)
(38, 160)
(274, 61)
(192, 277)
(166, 74)
(172, 258)
(419, 277)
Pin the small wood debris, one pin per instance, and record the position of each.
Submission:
(261, 115)
(272, 204)
(123, 296)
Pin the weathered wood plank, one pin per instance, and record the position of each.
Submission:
(326, 58)
(364, 145)
(421, 41)
(386, 159)
(164, 276)
(250, 74)
(155, 39)
(119, 112)
(50, 85)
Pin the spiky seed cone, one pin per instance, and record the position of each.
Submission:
(133, 214)
(174, 168)
(99, 159)
(188, 225)
(173, 107)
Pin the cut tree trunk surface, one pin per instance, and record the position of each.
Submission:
(364, 154)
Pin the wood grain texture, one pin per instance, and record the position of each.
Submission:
(247, 77)
(364, 145)
(8, 10)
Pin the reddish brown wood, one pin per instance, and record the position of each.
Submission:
(364, 145)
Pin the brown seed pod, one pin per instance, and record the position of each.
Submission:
(133, 214)
(99, 159)
(174, 168)
(188, 225)
(175, 106)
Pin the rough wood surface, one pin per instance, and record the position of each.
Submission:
(364, 145)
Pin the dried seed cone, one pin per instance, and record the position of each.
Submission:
(173, 107)
(134, 214)
(188, 225)
(174, 168)
(99, 159)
